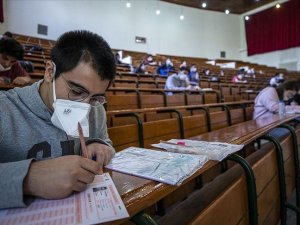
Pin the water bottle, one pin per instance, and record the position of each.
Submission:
(281, 108)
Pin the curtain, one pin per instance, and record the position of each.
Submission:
(274, 29)
(1, 12)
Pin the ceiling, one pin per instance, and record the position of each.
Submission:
(235, 6)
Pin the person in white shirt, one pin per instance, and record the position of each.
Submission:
(277, 80)
(178, 81)
(267, 101)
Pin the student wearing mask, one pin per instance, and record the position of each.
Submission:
(178, 81)
(10, 69)
(149, 60)
(166, 68)
(194, 77)
(267, 101)
(239, 78)
(147, 66)
(277, 80)
(183, 65)
(39, 145)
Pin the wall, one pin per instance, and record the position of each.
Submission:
(201, 34)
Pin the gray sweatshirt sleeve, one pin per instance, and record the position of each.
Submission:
(12, 175)
(98, 127)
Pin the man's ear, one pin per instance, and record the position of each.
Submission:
(49, 71)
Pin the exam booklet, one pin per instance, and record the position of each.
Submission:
(99, 203)
(166, 167)
(213, 150)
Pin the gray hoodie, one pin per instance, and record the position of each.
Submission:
(26, 133)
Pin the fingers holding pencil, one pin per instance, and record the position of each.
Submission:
(82, 142)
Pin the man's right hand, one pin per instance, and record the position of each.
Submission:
(58, 178)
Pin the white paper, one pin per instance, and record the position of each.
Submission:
(166, 167)
(99, 203)
(213, 150)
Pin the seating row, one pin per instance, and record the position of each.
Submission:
(144, 127)
(230, 198)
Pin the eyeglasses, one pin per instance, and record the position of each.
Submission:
(78, 94)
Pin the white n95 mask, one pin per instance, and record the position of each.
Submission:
(2, 69)
(67, 114)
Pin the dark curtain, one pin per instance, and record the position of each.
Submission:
(274, 29)
(1, 12)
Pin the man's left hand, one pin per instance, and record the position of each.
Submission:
(103, 153)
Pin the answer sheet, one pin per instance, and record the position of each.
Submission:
(99, 203)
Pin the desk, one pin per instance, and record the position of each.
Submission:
(139, 194)
(8, 86)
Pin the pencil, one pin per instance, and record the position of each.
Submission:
(82, 141)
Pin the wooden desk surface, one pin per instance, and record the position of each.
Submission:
(7, 86)
(139, 194)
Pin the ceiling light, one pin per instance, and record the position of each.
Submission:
(247, 17)
(277, 6)
(157, 12)
(204, 5)
(181, 17)
(128, 4)
(227, 11)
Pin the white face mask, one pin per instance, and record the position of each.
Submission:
(169, 63)
(67, 114)
(193, 69)
(2, 69)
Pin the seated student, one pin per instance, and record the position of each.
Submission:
(206, 72)
(10, 69)
(27, 65)
(39, 145)
(183, 65)
(194, 77)
(166, 68)
(7, 34)
(277, 80)
(178, 81)
(118, 58)
(239, 78)
(144, 67)
(222, 73)
(267, 101)
(250, 73)
(149, 60)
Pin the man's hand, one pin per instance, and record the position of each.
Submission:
(21, 80)
(188, 87)
(103, 154)
(58, 178)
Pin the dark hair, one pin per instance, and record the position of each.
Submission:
(291, 85)
(12, 48)
(83, 46)
(8, 34)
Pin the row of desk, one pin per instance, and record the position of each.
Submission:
(138, 194)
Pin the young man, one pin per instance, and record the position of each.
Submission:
(39, 144)
(10, 69)
(178, 81)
